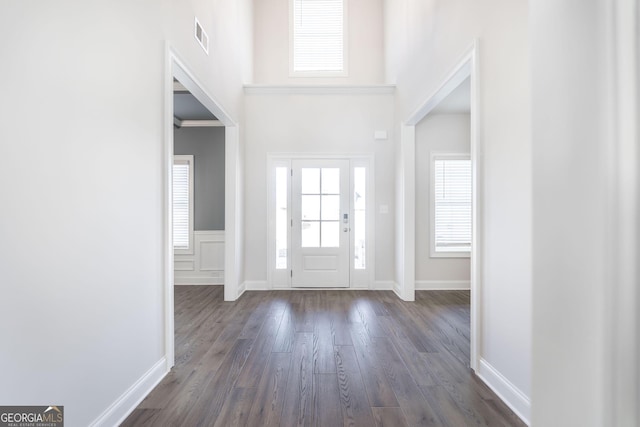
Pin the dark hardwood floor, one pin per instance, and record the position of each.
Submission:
(321, 358)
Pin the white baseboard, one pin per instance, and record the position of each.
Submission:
(119, 410)
(241, 289)
(509, 393)
(197, 282)
(396, 289)
(263, 285)
(256, 285)
(384, 285)
(442, 285)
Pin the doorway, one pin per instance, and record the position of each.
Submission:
(198, 189)
(465, 70)
(177, 70)
(320, 222)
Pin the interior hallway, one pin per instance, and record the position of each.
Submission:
(321, 358)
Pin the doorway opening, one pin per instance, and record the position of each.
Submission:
(460, 87)
(198, 189)
(320, 222)
(198, 256)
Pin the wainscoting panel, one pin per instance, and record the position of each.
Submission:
(206, 265)
(184, 264)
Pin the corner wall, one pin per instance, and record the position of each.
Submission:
(586, 109)
(81, 246)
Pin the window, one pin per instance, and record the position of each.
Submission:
(183, 204)
(320, 207)
(359, 218)
(282, 217)
(451, 206)
(318, 37)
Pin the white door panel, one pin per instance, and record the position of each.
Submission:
(320, 223)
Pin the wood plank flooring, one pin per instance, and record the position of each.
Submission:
(321, 358)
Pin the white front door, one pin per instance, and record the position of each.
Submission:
(321, 228)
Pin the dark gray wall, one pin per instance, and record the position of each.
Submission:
(207, 147)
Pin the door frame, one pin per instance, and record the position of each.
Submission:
(466, 67)
(280, 281)
(177, 68)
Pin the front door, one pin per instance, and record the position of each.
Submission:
(320, 235)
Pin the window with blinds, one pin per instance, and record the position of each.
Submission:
(451, 204)
(182, 203)
(318, 36)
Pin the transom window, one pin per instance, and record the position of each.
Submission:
(318, 36)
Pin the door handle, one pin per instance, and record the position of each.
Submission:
(345, 229)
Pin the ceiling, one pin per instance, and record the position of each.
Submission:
(458, 101)
(186, 106)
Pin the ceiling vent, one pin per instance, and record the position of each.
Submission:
(202, 37)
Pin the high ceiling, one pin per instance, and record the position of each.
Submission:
(187, 107)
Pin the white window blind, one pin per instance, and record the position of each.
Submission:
(182, 202)
(452, 205)
(318, 35)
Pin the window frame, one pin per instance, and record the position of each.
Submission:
(189, 159)
(432, 205)
(345, 51)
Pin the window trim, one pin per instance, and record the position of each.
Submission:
(188, 158)
(432, 205)
(345, 50)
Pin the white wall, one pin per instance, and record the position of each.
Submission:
(327, 124)
(364, 37)
(230, 61)
(424, 41)
(206, 145)
(443, 133)
(585, 172)
(81, 259)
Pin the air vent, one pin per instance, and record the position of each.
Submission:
(202, 37)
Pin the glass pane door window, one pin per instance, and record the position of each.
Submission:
(320, 207)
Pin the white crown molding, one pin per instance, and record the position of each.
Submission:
(197, 123)
(257, 89)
